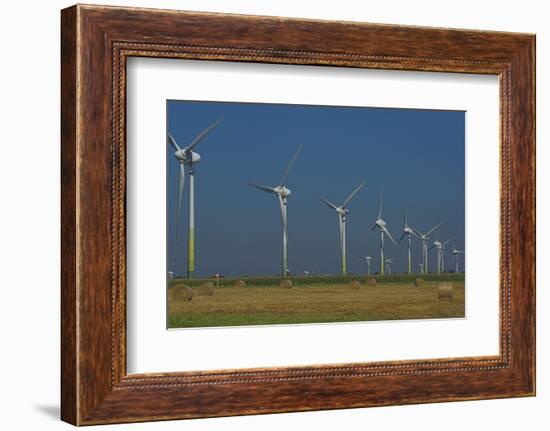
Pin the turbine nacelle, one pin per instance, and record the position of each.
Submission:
(187, 156)
(380, 223)
(408, 230)
(342, 211)
(282, 191)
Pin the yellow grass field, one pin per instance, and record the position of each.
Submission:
(315, 303)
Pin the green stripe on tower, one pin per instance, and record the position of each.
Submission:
(344, 264)
(191, 254)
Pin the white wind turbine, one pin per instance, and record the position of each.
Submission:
(381, 225)
(367, 259)
(282, 193)
(187, 157)
(409, 233)
(342, 212)
(456, 254)
(389, 261)
(440, 247)
(425, 238)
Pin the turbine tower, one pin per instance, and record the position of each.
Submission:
(367, 259)
(282, 193)
(425, 238)
(440, 247)
(187, 157)
(381, 225)
(409, 233)
(342, 211)
(456, 254)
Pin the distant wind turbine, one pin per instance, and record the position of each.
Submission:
(409, 233)
(282, 193)
(425, 238)
(187, 157)
(367, 259)
(342, 211)
(440, 247)
(381, 225)
(456, 254)
(389, 261)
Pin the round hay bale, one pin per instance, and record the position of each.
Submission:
(286, 284)
(354, 285)
(445, 291)
(419, 282)
(180, 293)
(371, 281)
(239, 283)
(206, 289)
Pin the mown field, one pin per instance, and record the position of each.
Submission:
(315, 302)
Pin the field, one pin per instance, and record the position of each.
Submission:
(314, 300)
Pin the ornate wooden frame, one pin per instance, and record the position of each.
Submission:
(95, 43)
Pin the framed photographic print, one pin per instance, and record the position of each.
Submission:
(265, 214)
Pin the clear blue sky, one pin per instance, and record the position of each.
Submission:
(416, 155)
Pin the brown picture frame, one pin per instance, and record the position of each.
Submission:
(95, 43)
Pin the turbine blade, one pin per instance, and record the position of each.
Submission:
(353, 193)
(329, 204)
(380, 206)
(283, 214)
(446, 242)
(402, 236)
(405, 217)
(263, 188)
(416, 233)
(373, 227)
(431, 248)
(283, 181)
(341, 230)
(387, 232)
(173, 142)
(202, 134)
(433, 229)
(181, 186)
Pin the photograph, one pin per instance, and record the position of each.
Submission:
(302, 214)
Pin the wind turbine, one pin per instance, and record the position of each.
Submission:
(342, 211)
(186, 156)
(367, 259)
(389, 260)
(440, 247)
(443, 246)
(409, 233)
(456, 254)
(425, 238)
(381, 225)
(282, 193)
